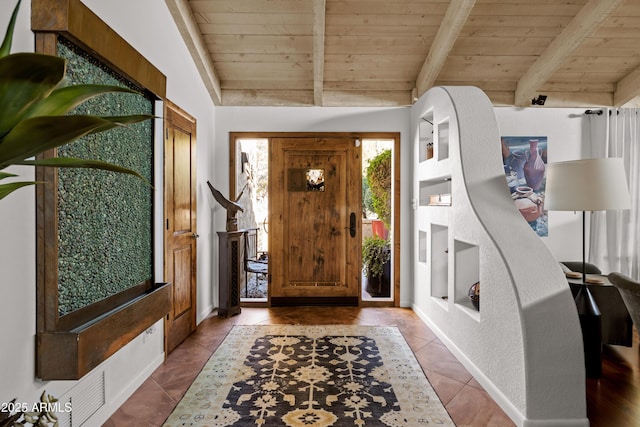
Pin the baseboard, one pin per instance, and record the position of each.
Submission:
(512, 412)
(406, 303)
(556, 423)
(205, 313)
(505, 404)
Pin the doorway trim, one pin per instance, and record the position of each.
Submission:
(395, 136)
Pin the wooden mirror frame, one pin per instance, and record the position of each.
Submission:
(69, 347)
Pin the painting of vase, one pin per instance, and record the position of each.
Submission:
(525, 162)
(534, 167)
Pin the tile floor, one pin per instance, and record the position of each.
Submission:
(467, 402)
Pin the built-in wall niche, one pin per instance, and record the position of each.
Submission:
(435, 192)
(425, 132)
(440, 261)
(422, 246)
(466, 274)
(443, 140)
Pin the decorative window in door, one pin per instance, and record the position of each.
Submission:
(305, 179)
(315, 179)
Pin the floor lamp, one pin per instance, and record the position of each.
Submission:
(587, 185)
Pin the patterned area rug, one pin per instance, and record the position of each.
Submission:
(321, 376)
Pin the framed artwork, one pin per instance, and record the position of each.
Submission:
(525, 163)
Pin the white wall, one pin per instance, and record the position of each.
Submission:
(567, 133)
(149, 27)
(318, 119)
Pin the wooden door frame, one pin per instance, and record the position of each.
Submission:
(189, 122)
(395, 136)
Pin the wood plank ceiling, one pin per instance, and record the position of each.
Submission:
(579, 53)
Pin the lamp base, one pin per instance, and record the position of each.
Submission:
(591, 325)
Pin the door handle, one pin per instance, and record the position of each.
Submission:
(195, 235)
(352, 224)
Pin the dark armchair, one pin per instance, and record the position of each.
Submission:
(577, 266)
(630, 292)
(617, 325)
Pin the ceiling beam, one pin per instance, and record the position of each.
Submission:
(454, 19)
(627, 89)
(319, 11)
(190, 32)
(588, 19)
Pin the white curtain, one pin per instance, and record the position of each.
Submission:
(615, 235)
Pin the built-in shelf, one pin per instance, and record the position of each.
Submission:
(435, 192)
(466, 258)
(439, 200)
(439, 261)
(433, 137)
(425, 133)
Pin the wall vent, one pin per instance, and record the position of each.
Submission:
(64, 418)
(86, 398)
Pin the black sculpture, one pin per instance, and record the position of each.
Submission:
(232, 207)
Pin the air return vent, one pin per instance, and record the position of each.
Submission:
(85, 398)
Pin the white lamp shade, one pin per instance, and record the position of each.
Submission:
(587, 185)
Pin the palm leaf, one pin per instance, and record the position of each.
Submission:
(71, 162)
(64, 99)
(6, 189)
(4, 175)
(5, 48)
(38, 134)
(33, 108)
(26, 78)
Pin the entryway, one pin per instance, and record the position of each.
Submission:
(317, 213)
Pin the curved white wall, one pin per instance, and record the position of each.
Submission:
(524, 345)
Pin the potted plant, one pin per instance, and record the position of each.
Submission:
(378, 177)
(376, 260)
(33, 112)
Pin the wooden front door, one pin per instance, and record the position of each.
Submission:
(315, 221)
(180, 222)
